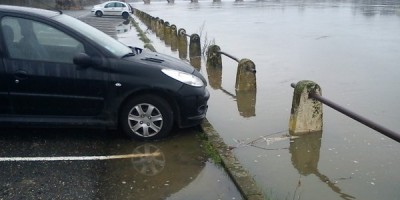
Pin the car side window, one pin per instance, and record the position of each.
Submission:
(31, 40)
(110, 5)
(120, 5)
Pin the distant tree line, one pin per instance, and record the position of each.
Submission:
(53, 4)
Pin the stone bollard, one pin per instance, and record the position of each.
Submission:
(153, 24)
(213, 56)
(160, 29)
(246, 76)
(182, 43)
(167, 34)
(174, 38)
(194, 45)
(306, 113)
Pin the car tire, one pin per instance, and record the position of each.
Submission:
(99, 14)
(146, 117)
(125, 15)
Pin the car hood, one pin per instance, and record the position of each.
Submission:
(162, 61)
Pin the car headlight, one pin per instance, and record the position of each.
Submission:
(184, 77)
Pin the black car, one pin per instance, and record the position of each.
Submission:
(57, 70)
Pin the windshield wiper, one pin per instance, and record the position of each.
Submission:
(128, 55)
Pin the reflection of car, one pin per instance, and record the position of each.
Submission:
(57, 70)
(112, 8)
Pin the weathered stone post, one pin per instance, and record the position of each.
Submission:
(174, 38)
(194, 46)
(153, 23)
(246, 76)
(306, 113)
(167, 34)
(159, 27)
(182, 43)
(213, 56)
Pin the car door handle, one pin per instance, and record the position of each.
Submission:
(20, 75)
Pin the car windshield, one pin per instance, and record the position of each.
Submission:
(111, 44)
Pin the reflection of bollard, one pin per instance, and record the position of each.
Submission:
(174, 38)
(182, 43)
(246, 103)
(246, 76)
(213, 56)
(195, 61)
(194, 45)
(214, 76)
(305, 153)
(306, 113)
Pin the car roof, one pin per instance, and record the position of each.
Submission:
(114, 2)
(29, 10)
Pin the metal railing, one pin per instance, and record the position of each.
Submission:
(367, 122)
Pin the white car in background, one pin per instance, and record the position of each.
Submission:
(116, 8)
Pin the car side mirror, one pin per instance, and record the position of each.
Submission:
(83, 60)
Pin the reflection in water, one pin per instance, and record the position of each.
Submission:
(151, 163)
(246, 103)
(214, 76)
(246, 100)
(123, 27)
(195, 61)
(165, 168)
(305, 156)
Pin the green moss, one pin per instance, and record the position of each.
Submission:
(209, 148)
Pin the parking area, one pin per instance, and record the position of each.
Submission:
(98, 164)
(60, 163)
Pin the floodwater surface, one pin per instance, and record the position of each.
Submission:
(350, 48)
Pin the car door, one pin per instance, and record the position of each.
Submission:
(43, 81)
(110, 9)
(119, 8)
(4, 97)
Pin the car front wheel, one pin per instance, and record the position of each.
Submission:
(99, 14)
(146, 117)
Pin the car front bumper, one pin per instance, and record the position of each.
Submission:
(193, 107)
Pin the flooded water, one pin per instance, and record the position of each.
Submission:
(350, 48)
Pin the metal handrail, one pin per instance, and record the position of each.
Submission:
(228, 55)
(367, 122)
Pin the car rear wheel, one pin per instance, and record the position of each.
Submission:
(125, 15)
(99, 14)
(146, 117)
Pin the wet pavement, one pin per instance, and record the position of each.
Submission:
(96, 164)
